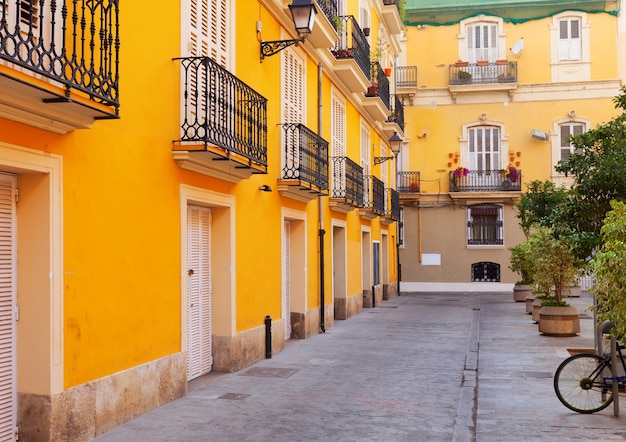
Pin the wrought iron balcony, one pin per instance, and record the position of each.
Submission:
(373, 198)
(380, 84)
(352, 43)
(328, 8)
(73, 48)
(406, 79)
(408, 182)
(397, 112)
(501, 71)
(347, 191)
(224, 119)
(392, 209)
(486, 181)
(305, 163)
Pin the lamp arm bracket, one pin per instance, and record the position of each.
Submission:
(269, 48)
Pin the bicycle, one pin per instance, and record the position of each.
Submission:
(584, 382)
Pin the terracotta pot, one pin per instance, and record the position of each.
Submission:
(529, 303)
(520, 292)
(559, 321)
(536, 308)
(461, 64)
(387, 71)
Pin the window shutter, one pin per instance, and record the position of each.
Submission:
(7, 308)
(293, 105)
(570, 43)
(338, 137)
(365, 162)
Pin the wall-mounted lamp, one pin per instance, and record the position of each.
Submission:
(303, 16)
(395, 142)
(265, 188)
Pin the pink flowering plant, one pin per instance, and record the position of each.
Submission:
(511, 173)
(460, 171)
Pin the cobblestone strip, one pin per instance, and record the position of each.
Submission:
(465, 420)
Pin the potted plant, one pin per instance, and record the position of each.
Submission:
(554, 266)
(511, 175)
(458, 173)
(522, 263)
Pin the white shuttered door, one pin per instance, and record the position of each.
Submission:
(199, 359)
(286, 304)
(8, 420)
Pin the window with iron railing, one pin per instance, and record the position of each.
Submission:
(484, 225)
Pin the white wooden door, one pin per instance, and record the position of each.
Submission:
(286, 302)
(199, 291)
(8, 363)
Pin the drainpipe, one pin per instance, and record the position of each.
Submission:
(319, 201)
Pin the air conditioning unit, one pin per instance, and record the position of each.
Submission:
(539, 134)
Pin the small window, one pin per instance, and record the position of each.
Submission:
(570, 43)
(484, 225)
(565, 131)
(485, 272)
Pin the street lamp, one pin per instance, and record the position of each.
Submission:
(395, 142)
(303, 16)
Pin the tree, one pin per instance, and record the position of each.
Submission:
(598, 169)
(555, 265)
(541, 205)
(609, 265)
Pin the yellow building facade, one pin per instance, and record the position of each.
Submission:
(500, 89)
(176, 183)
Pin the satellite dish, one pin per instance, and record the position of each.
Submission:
(518, 46)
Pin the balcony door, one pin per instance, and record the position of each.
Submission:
(482, 42)
(484, 150)
(293, 103)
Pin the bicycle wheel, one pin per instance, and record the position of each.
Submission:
(579, 385)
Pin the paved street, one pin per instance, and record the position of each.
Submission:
(420, 367)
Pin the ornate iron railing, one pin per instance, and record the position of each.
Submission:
(408, 182)
(352, 42)
(221, 110)
(397, 111)
(483, 73)
(328, 7)
(393, 206)
(406, 77)
(75, 43)
(380, 82)
(305, 156)
(347, 181)
(374, 197)
(486, 181)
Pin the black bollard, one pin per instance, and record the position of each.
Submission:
(268, 337)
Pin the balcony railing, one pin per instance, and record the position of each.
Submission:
(221, 110)
(328, 8)
(408, 182)
(380, 84)
(347, 181)
(72, 44)
(397, 111)
(406, 77)
(486, 181)
(352, 42)
(483, 73)
(374, 196)
(305, 156)
(393, 205)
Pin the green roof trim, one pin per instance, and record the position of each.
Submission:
(449, 12)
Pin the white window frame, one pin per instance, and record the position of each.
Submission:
(555, 141)
(499, 227)
(497, 53)
(570, 69)
(464, 142)
(338, 139)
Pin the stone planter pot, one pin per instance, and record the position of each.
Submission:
(559, 321)
(536, 308)
(573, 291)
(529, 303)
(520, 292)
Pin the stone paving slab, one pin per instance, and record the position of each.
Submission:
(419, 367)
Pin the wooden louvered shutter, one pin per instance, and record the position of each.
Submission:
(338, 134)
(365, 163)
(7, 308)
(208, 29)
(570, 40)
(199, 291)
(293, 105)
(286, 307)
